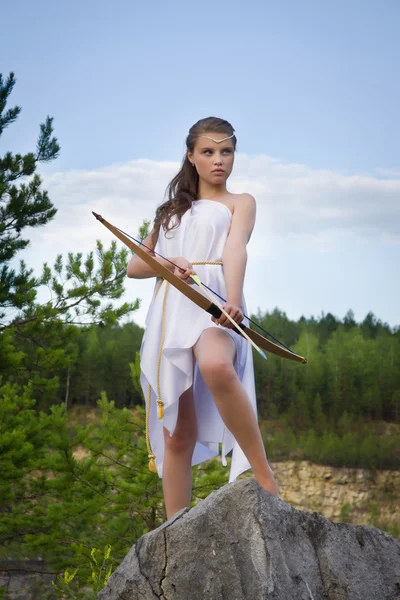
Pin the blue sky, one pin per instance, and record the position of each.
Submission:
(311, 88)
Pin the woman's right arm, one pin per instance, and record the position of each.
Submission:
(138, 269)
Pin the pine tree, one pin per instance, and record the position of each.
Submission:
(37, 339)
(26, 205)
(318, 416)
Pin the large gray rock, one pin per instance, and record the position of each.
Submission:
(244, 543)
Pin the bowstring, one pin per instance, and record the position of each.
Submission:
(206, 286)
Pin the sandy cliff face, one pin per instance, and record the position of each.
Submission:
(354, 495)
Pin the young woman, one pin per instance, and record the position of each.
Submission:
(197, 373)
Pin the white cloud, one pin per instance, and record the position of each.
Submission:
(295, 199)
(314, 211)
(292, 198)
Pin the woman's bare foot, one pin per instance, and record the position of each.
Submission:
(268, 483)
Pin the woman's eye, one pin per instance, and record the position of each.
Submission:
(224, 151)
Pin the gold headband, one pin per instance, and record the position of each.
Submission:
(217, 141)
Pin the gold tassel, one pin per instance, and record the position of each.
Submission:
(152, 464)
(160, 410)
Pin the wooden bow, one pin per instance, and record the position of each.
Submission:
(201, 301)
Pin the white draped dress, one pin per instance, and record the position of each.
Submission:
(168, 367)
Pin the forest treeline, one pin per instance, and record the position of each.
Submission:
(335, 410)
(352, 368)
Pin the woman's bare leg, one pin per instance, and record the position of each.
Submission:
(215, 352)
(177, 467)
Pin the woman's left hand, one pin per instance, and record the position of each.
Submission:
(234, 311)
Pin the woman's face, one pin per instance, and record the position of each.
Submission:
(213, 161)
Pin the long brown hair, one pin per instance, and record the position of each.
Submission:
(183, 189)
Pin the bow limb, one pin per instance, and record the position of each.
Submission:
(191, 293)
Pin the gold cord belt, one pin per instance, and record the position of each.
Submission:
(160, 403)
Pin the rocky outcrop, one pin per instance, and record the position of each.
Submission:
(243, 543)
(26, 580)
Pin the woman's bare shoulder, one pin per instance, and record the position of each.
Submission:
(242, 201)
